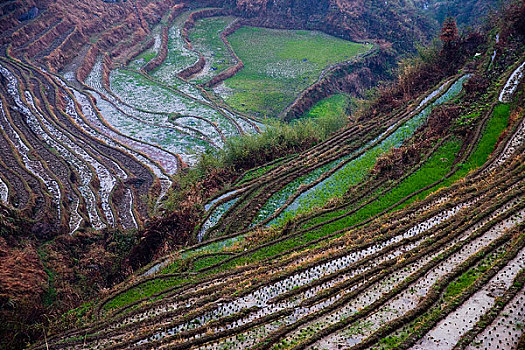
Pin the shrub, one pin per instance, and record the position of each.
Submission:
(279, 139)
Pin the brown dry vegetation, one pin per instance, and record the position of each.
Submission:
(54, 45)
(418, 74)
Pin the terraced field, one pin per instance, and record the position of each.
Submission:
(279, 64)
(321, 250)
(130, 184)
(96, 144)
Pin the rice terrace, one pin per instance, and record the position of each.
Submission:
(262, 174)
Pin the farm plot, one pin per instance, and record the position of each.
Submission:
(181, 122)
(278, 65)
(160, 109)
(206, 39)
(343, 290)
(354, 169)
(328, 110)
(93, 124)
(286, 190)
(430, 258)
(437, 273)
(179, 56)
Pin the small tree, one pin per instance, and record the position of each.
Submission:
(449, 32)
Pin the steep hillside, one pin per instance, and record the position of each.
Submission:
(402, 230)
(127, 128)
(462, 10)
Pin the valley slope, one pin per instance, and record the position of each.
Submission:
(107, 107)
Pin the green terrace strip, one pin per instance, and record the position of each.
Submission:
(278, 64)
(355, 171)
(434, 169)
(179, 57)
(146, 289)
(497, 123)
(205, 38)
(492, 132)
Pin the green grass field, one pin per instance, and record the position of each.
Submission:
(279, 64)
(335, 105)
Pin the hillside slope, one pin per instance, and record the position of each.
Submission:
(403, 230)
(106, 108)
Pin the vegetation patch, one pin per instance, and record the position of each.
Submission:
(279, 64)
(205, 38)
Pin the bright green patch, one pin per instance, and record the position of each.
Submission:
(335, 105)
(279, 64)
(435, 168)
(146, 289)
(494, 128)
(201, 263)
